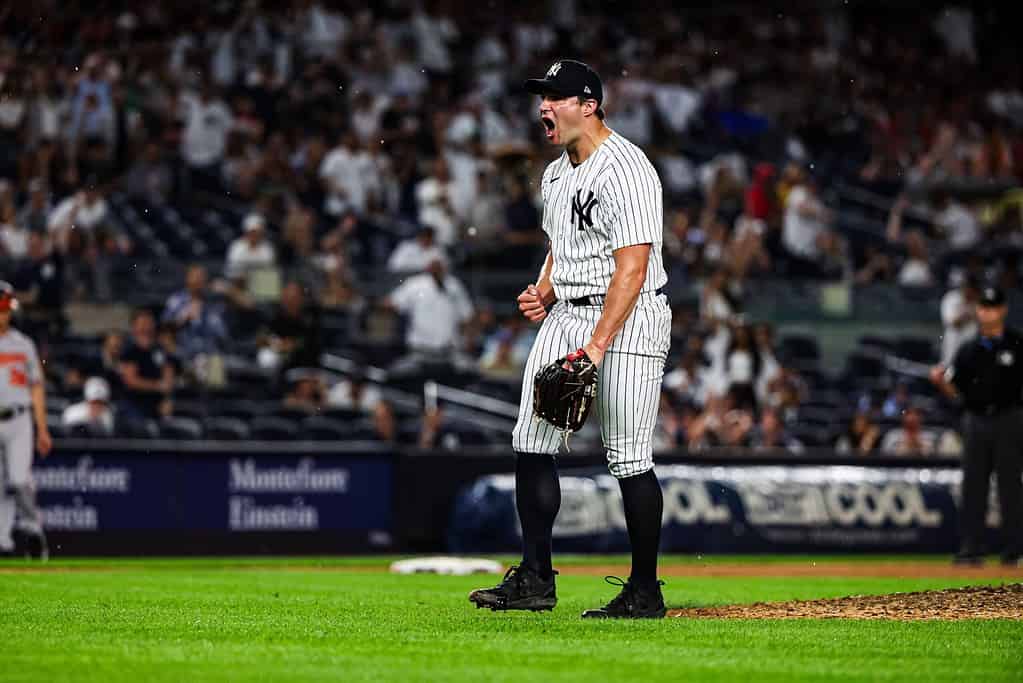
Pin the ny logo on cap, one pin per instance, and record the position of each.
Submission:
(553, 71)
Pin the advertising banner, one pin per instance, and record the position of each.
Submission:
(222, 492)
(735, 509)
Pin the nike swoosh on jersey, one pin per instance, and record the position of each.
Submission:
(552, 180)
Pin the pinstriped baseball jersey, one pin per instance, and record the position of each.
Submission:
(610, 200)
(19, 368)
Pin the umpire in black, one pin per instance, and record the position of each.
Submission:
(987, 373)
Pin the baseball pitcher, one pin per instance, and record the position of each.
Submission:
(604, 338)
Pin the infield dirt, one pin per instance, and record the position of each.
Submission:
(974, 602)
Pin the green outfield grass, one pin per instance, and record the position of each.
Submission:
(290, 620)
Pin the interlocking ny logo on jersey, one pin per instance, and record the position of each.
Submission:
(553, 71)
(581, 210)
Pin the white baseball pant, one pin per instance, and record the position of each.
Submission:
(628, 381)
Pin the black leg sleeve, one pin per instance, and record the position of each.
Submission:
(644, 505)
(538, 498)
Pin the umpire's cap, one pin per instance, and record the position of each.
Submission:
(567, 78)
(7, 300)
(992, 296)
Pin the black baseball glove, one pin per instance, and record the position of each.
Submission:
(563, 392)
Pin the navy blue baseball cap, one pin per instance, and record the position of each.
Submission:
(992, 296)
(567, 78)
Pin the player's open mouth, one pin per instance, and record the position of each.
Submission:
(548, 125)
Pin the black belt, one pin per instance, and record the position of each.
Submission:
(598, 299)
(12, 412)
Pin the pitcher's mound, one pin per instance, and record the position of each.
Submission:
(975, 602)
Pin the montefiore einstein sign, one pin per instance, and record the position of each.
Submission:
(250, 485)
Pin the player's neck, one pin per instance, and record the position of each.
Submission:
(580, 150)
(992, 331)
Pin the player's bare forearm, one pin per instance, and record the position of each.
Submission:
(43, 440)
(622, 294)
(543, 283)
(39, 405)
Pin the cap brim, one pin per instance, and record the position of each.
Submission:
(542, 86)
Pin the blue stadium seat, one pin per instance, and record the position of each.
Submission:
(800, 347)
(182, 428)
(193, 409)
(919, 349)
(226, 429)
(242, 409)
(320, 428)
(269, 428)
(137, 429)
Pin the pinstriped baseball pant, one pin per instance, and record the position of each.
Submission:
(628, 381)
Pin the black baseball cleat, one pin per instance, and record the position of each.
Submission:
(522, 588)
(32, 546)
(968, 559)
(37, 547)
(634, 601)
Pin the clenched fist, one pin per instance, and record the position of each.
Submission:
(531, 304)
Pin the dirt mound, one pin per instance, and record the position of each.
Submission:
(975, 602)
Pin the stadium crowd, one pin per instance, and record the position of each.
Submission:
(267, 182)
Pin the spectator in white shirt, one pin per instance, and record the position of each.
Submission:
(958, 223)
(916, 269)
(250, 251)
(416, 254)
(208, 121)
(94, 413)
(958, 318)
(806, 233)
(356, 395)
(83, 211)
(350, 177)
(437, 306)
(436, 207)
(911, 438)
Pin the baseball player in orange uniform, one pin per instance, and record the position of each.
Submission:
(22, 402)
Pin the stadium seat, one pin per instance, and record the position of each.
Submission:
(863, 366)
(800, 347)
(816, 417)
(195, 410)
(870, 342)
(270, 428)
(183, 428)
(343, 414)
(241, 409)
(919, 349)
(226, 429)
(320, 428)
(297, 415)
(137, 429)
